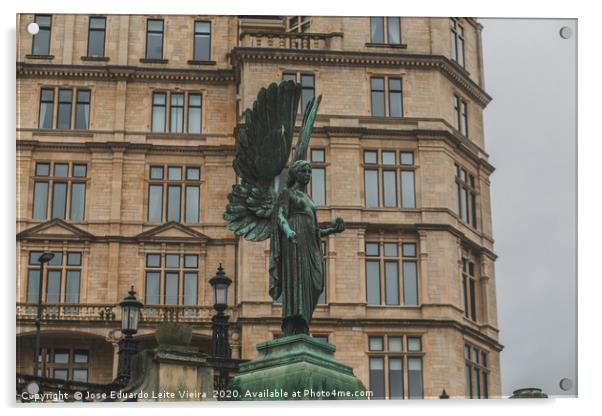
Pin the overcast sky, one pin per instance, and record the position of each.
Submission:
(530, 133)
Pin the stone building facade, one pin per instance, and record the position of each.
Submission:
(125, 139)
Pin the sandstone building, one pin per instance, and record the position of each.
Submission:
(125, 138)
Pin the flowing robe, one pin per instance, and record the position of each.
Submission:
(296, 269)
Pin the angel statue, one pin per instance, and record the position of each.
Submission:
(256, 211)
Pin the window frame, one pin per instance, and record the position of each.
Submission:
(457, 42)
(49, 366)
(318, 166)
(167, 111)
(401, 194)
(478, 367)
(163, 270)
(467, 196)
(183, 183)
(298, 76)
(51, 179)
(48, 28)
(387, 95)
(194, 40)
(400, 259)
(104, 36)
(63, 269)
(73, 103)
(405, 355)
(385, 24)
(460, 115)
(302, 25)
(470, 289)
(149, 31)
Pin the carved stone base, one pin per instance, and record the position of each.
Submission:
(297, 367)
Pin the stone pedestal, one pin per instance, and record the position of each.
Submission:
(297, 367)
(173, 371)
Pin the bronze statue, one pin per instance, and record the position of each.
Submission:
(257, 212)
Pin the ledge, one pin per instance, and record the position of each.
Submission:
(193, 62)
(153, 61)
(95, 58)
(39, 56)
(387, 45)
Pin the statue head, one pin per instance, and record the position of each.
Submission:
(299, 171)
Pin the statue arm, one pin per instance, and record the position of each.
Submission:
(337, 225)
(284, 225)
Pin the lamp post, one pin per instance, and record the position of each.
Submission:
(220, 347)
(219, 288)
(128, 347)
(44, 258)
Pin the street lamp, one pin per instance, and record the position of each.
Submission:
(128, 347)
(220, 347)
(44, 258)
(219, 289)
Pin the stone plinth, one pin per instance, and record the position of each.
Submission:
(297, 367)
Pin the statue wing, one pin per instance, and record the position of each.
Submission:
(263, 147)
(306, 128)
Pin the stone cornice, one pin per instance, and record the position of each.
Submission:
(398, 60)
(465, 329)
(468, 148)
(120, 72)
(125, 146)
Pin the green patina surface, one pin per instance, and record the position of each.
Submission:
(297, 367)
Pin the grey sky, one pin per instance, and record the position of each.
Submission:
(530, 133)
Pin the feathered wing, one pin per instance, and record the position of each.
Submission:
(263, 147)
(311, 110)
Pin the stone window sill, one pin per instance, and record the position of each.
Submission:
(39, 56)
(387, 45)
(153, 61)
(95, 58)
(193, 62)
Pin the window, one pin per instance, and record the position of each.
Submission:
(202, 41)
(457, 41)
(154, 39)
(383, 262)
(307, 86)
(64, 363)
(469, 289)
(466, 196)
(171, 279)
(61, 283)
(176, 110)
(63, 115)
(174, 194)
(66, 100)
(395, 363)
(318, 177)
(82, 110)
(460, 116)
(46, 108)
(61, 189)
(477, 373)
(383, 170)
(298, 24)
(393, 105)
(96, 37)
(385, 30)
(41, 40)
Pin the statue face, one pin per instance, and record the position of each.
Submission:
(304, 174)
